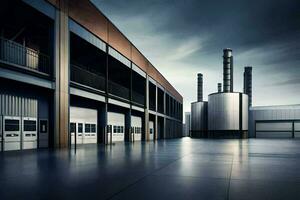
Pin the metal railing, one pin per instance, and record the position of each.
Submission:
(118, 90)
(138, 98)
(82, 75)
(15, 53)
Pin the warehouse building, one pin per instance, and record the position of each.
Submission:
(274, 121)
(69, 76)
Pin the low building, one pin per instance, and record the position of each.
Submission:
(274, 121)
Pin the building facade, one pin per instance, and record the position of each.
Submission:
(187, 124)
(274, 121)
(69, 76)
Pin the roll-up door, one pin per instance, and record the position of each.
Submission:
(274, 129)
(297, 129)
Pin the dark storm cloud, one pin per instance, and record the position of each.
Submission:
(192, 33)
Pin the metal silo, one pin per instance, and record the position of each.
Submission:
(199, 112)
(248, 83)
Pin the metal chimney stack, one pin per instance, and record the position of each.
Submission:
(227, 70)
(219, 87)
(200, 87)
(248, 83)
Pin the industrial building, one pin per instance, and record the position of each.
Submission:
(69, 76)
(187, 124)
(225, 115)
(274, 121)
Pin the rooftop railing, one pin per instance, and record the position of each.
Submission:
(15, 53)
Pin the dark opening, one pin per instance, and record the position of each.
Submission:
(138, 88)
(26, 37)
(88, 63)
(152, 96)
(118, 78)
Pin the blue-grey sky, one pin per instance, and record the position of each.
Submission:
(184, 37)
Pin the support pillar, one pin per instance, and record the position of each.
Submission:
(128, 126)
(146, 127)
(61, 137)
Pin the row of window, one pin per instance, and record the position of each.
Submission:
(136, 130)
(14, 125)
(88, 128)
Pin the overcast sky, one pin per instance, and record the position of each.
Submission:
(184, 37)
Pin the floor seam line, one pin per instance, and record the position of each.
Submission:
(229, 181)
(143, 177)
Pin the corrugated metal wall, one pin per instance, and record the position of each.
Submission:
(11, 105)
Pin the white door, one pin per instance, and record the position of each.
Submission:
(12, 133)
(117, 123)
(85, 124)
(29, 133)
(151, 130)
(90, 133)
(136, 128)
(274, 129)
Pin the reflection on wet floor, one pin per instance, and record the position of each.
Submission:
(178, 169)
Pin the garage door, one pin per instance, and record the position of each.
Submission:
(274, 129)
(297, 129)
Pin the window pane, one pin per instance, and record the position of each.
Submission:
(80, 128)
(29, 125)
(12, 125)
(93, 128)
(87, 128)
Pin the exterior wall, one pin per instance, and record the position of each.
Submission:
(199, 118)
(272, 113)
(87, 15)
(60, 89)
(225, 113)
(187, 125)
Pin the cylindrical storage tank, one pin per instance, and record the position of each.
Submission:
(228, 115)
(200, 87)
(227, 70)
(199, 119)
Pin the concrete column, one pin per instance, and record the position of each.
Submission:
(165, 109)
(102, 120)
(146, 127)
(155, 121)
(128, 125)
(61, 136)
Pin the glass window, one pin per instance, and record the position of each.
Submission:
(93, 128)
(115, 129)
(12, 125)
(87, 128)
(72, 127)
(29, 125)
(80, 127)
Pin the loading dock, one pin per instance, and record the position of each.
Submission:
(136, 128)
(116, 127)
(277, 129)
(83, 123)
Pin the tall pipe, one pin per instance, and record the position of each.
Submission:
(227, 70)
(248, 83)
(219, 87)
(200, 87)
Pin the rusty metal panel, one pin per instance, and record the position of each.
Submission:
(139, 59)
(118, 41)
(86, 14)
